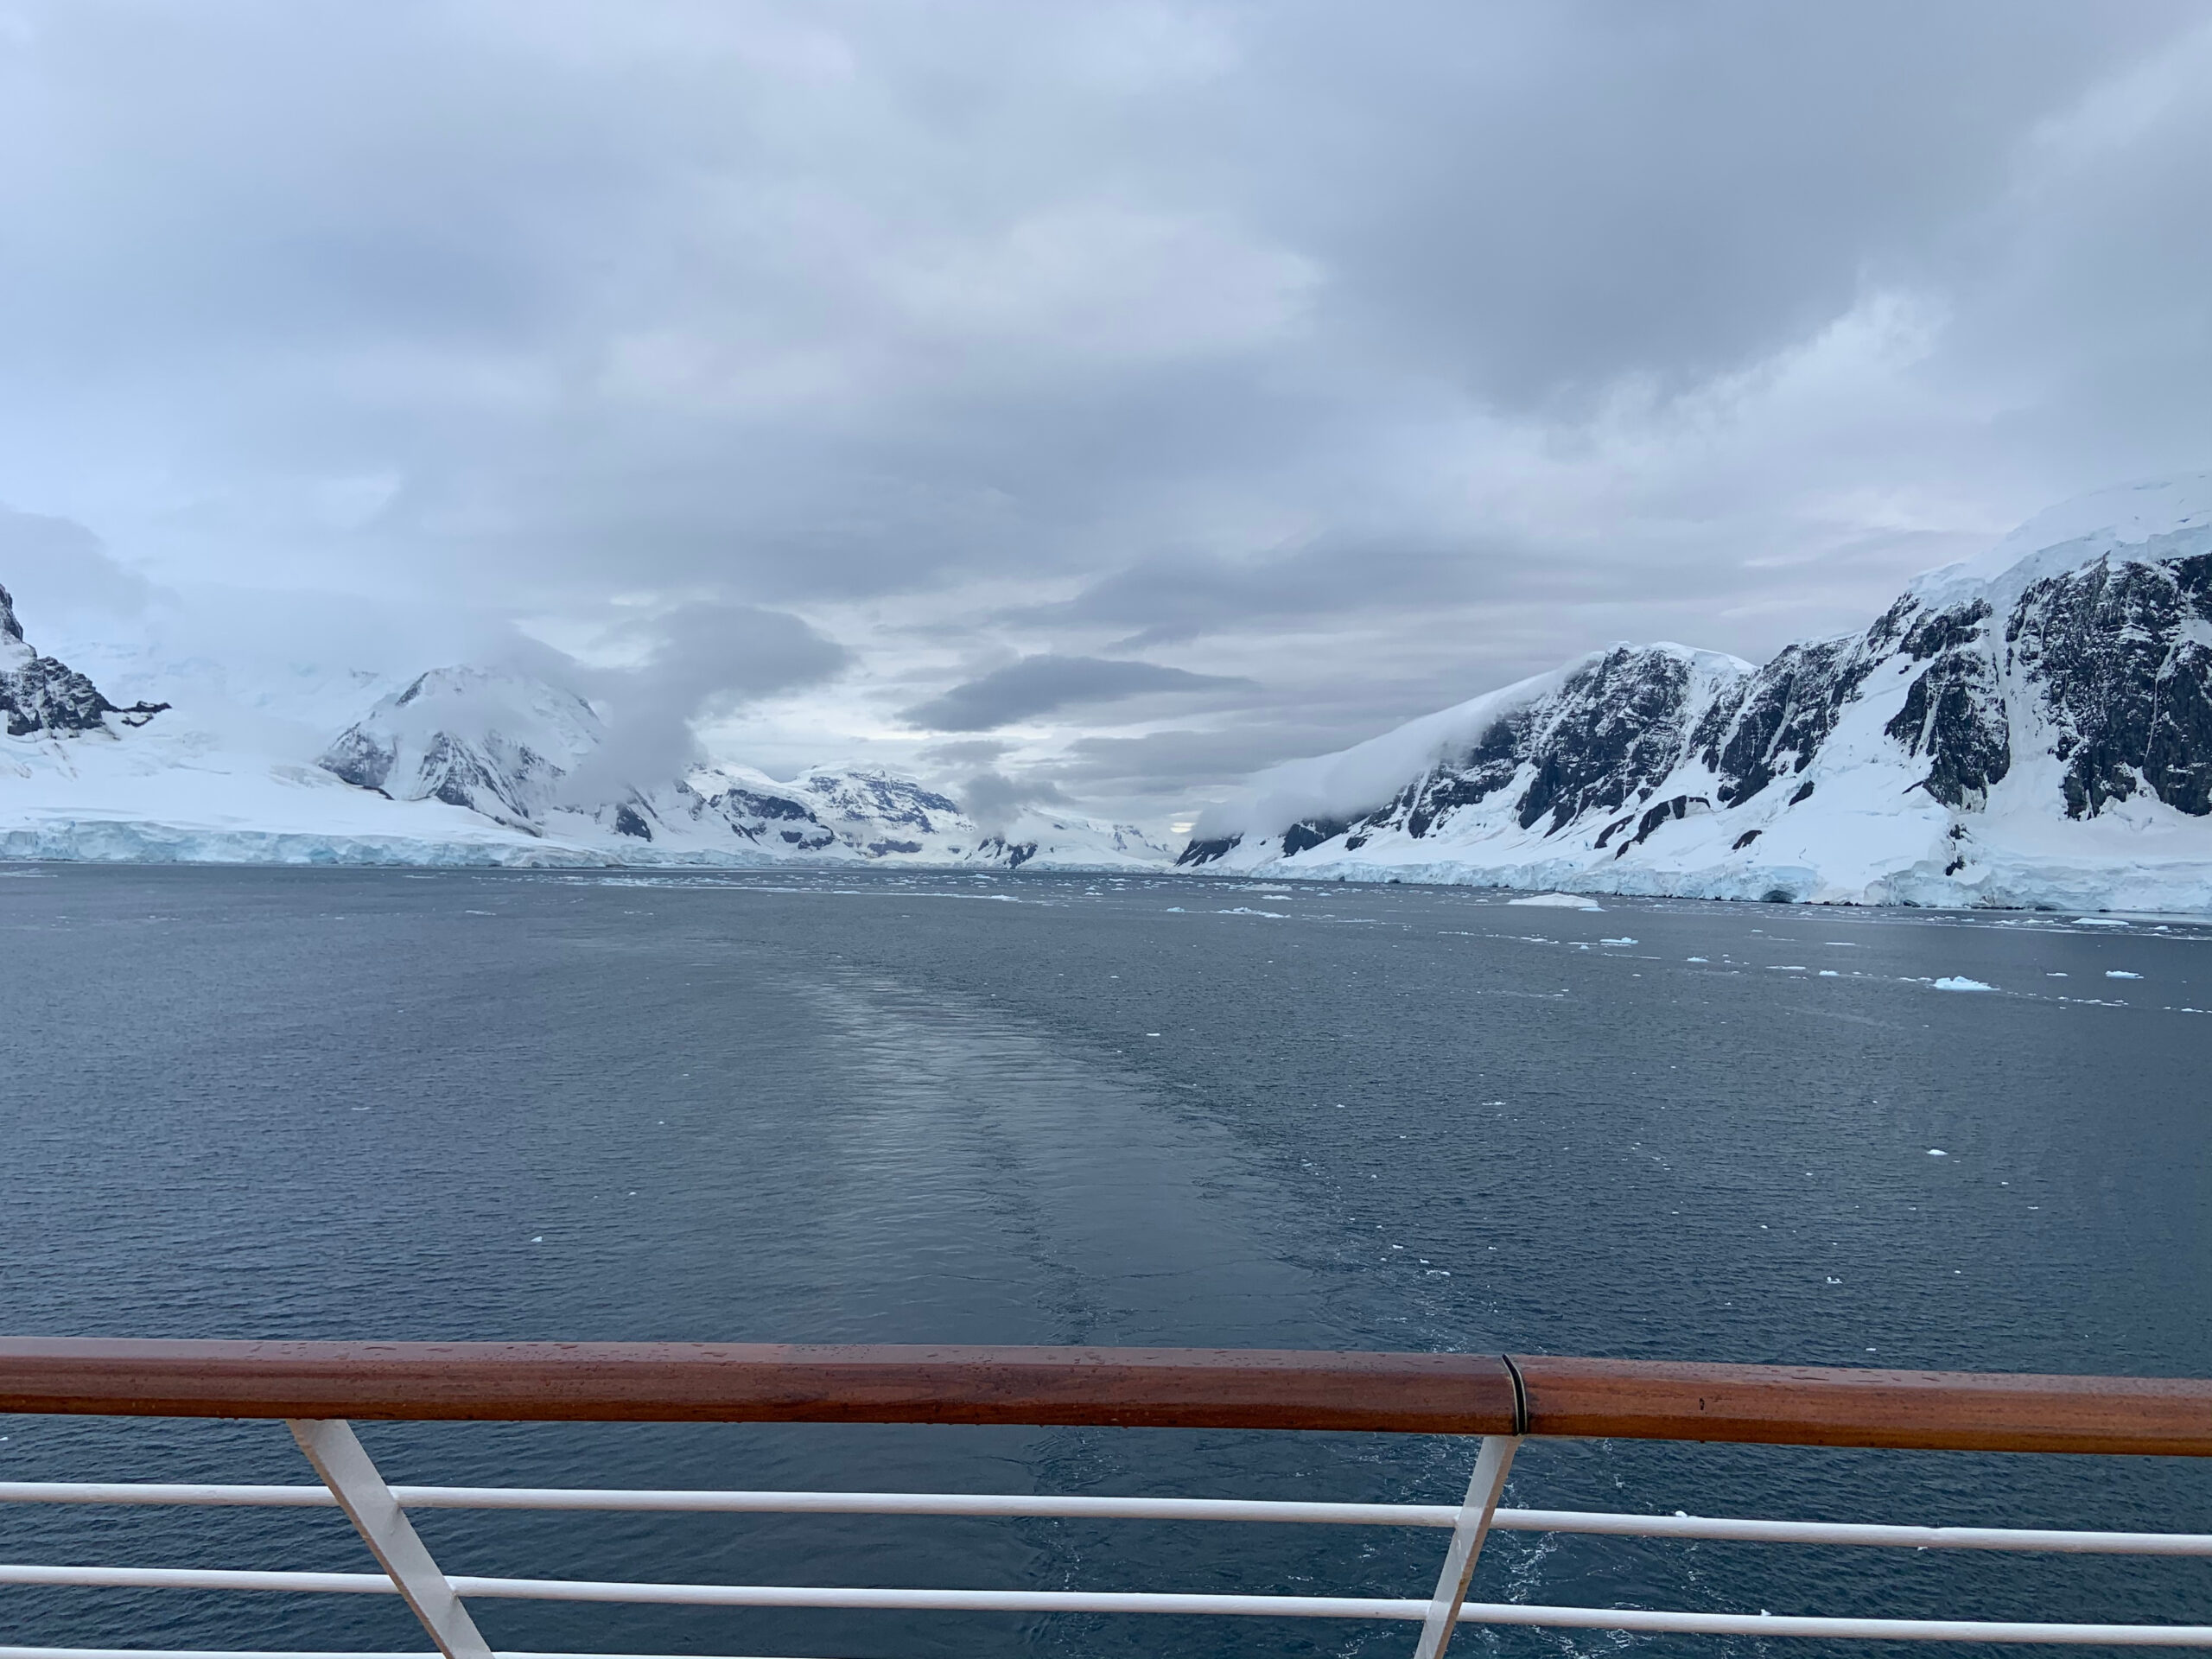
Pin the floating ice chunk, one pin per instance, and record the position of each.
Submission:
(2120, 973)
(1830, 973)
(1694, 958)
(1246, 910)
(1785, 966)
(1176, 910)
(1938, 1152)
(1617, 941)
(2098, 921)
(1959, 983)
(1559, 901)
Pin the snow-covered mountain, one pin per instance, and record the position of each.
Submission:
(461, 765)
(498, 744)
(40, 695)
(502, 745)
(2031, 727)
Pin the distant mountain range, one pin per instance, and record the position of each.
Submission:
(460, 765)
(2033, 727)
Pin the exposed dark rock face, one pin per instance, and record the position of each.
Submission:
(1667, 812)
(1783, 714)
(629, 822)
(1956, 715)
(42, 694)
(2105, 664)
(1016, 853)
(1311, 832)
(881, 798)
(2120, 656)
(1616, 730)
(1611, 733)
(1205, 852)
(507, 787)
(753, 813)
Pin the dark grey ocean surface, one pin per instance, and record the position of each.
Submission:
(1048, 1109)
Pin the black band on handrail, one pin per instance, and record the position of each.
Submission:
(1520, 1395)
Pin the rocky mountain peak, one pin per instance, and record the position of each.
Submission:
(1970, 745)
(42, 697)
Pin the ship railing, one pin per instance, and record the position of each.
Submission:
(1498, 1401)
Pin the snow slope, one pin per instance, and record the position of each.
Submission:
(460, 766)
(2032, 727)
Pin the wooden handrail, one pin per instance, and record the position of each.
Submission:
(1159, 1388)
(1151, 1388)
(1809, 1405)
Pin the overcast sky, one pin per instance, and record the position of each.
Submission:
(1099, 400)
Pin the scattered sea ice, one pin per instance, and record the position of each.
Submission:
(2120, 973)
(1961, 983)
(2098, 921)
(1559, 901)
(1617, 941)
(1693, 958)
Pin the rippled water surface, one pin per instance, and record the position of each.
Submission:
(885, 1108)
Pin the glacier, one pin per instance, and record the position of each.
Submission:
(461, 766)
(2030, 728)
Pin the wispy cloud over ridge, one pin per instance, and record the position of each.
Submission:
(1045, 684)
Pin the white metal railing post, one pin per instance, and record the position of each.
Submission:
(345, 1467)
(1483, 1490)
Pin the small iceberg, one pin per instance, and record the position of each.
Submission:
(2120, 973)
(1559, 901)
(1961, 983)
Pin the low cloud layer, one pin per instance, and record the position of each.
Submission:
(1041, 686)
(1342, 366)
(705, 661)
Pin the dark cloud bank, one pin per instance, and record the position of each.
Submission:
(1342, 364)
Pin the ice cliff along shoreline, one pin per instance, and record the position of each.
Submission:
(2031, 727)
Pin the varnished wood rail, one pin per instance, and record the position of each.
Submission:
(1160, 1388)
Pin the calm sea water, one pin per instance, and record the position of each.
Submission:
(323, 1103)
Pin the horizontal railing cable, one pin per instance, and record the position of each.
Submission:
(682, 1500)
(1081, 1601)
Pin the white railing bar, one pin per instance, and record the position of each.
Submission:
(1477, 1510)
(118, 1491)
(1855, 1533)
(200, 1578)
(1079, 1601)
(198, 1653)
(1440, 1515)
(691, 1501)
(265, 1653)
(345, 1467)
